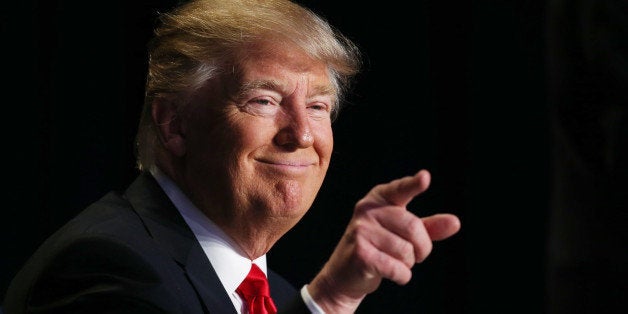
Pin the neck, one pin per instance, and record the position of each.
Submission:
(254, 239)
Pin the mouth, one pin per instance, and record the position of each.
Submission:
(291, 166)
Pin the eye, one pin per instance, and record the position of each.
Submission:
(261, 101)
(262, 106)
(319, 110)
(318, 107)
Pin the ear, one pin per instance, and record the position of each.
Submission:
(169, 126)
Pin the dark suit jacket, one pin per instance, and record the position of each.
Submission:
(128, 253)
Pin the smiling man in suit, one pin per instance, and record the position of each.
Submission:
(234, 142)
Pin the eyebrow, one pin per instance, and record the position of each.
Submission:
(276, 86)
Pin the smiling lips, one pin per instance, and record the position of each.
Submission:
(288, 165)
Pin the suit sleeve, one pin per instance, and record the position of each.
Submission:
(286, 296)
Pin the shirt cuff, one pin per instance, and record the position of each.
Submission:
(309, 302)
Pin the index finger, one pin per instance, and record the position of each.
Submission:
(401, 191)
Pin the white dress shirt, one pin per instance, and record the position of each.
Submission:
(230, 262)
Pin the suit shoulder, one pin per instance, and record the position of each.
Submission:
(96, 269)
(104, 252)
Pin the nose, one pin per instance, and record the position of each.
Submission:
(294, 130)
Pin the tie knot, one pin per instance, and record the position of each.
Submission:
(256, 292)
(255, 283)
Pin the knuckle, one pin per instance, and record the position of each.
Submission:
(360, 228)
(424, 250)
(415, 227)
(398, 274)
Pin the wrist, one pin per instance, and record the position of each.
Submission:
(330, 299)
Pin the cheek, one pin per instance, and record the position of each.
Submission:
(248, 134)
(324, 141)
(214, 145)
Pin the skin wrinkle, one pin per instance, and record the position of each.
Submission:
(262, 194)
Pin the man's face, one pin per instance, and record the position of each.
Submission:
(259, 146)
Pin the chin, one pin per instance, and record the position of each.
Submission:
(289, 212)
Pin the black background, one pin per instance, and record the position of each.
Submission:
(459, 88)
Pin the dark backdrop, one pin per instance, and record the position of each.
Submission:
(460, 88)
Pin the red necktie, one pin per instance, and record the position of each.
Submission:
(256, 292)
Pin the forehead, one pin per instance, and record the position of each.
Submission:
(284, 65)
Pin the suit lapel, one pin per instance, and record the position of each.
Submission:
(200, 274)
(165, 224)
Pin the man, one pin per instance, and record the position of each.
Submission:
(234, 142)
